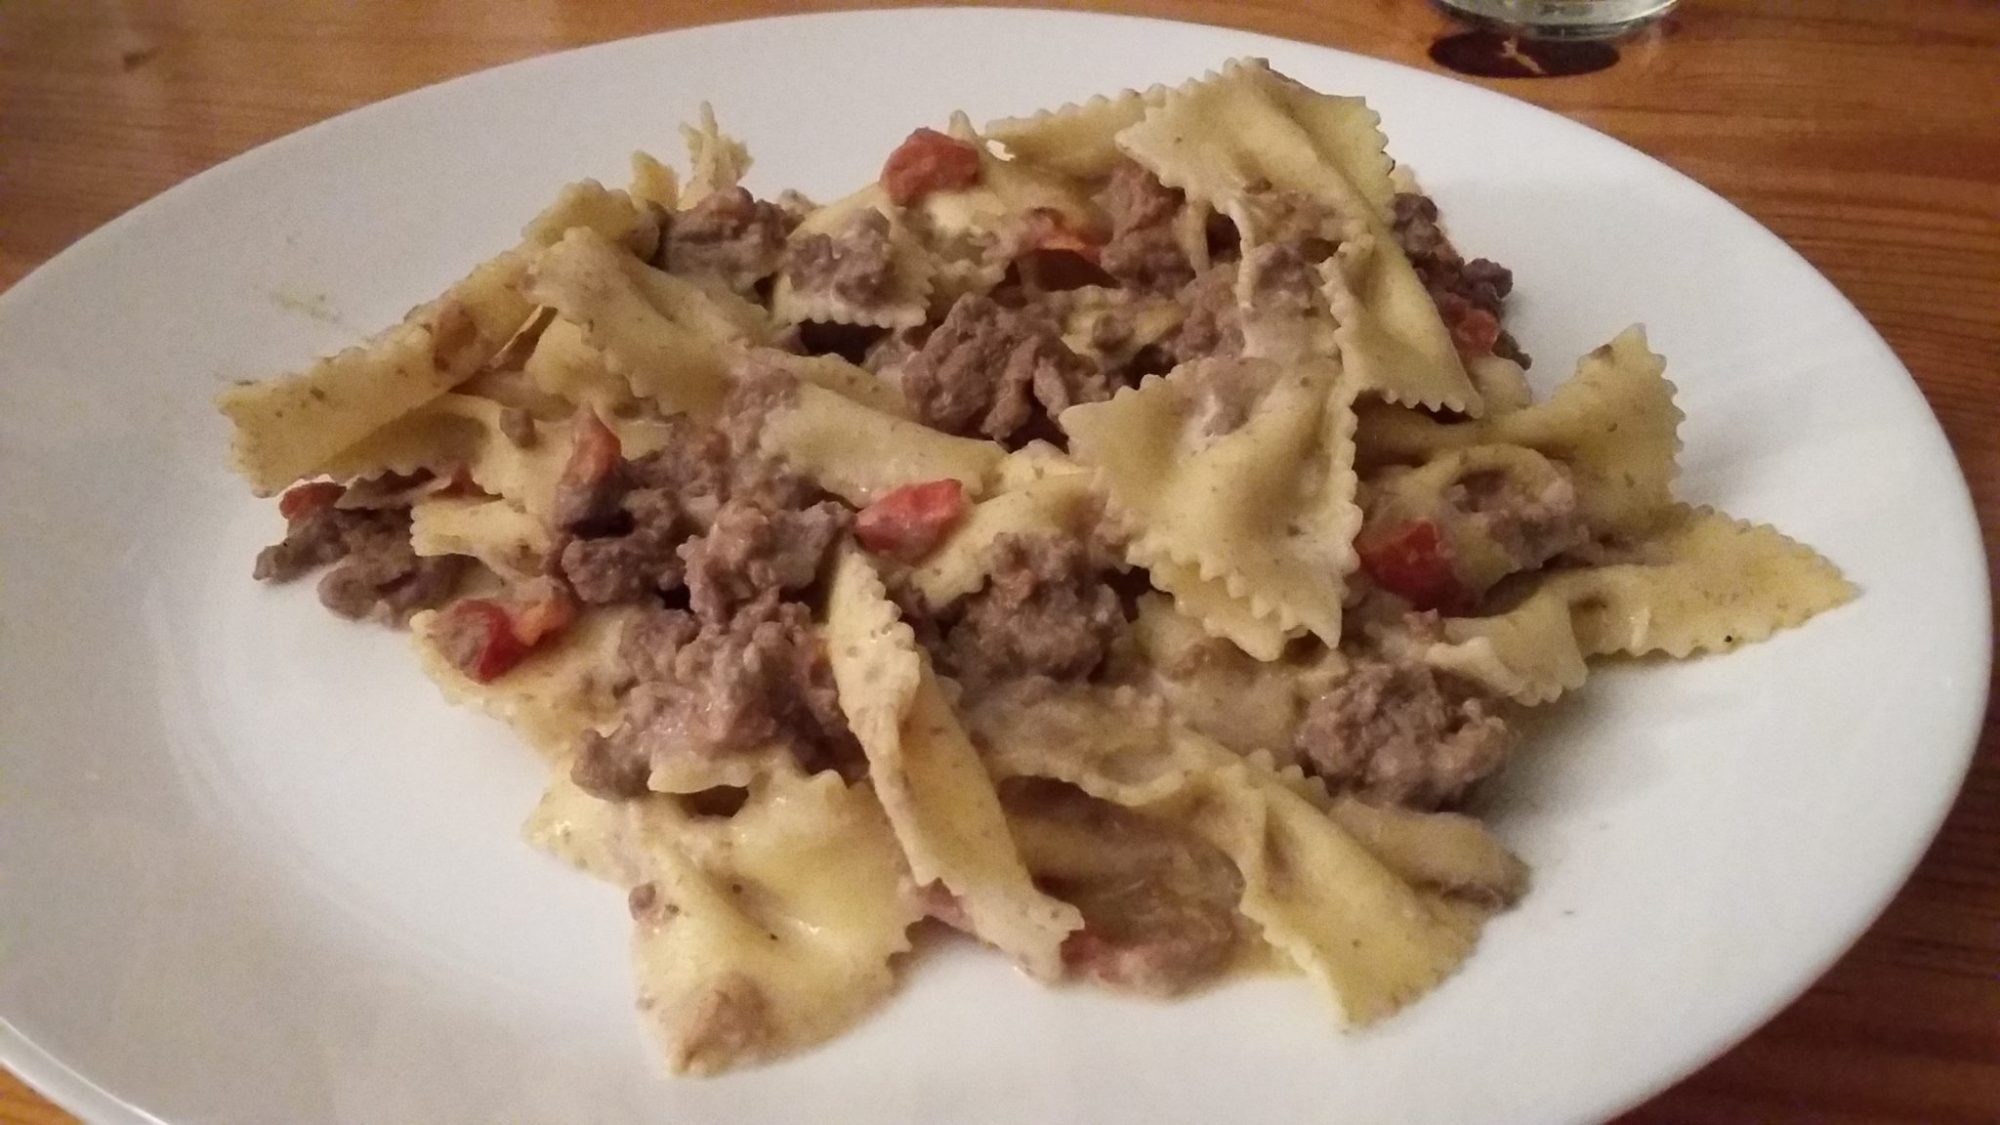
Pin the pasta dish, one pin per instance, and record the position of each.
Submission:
(1124, 534)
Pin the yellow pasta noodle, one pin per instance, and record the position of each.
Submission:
(717, 161)
(1319, 896)
(1077, 140)
(1614, 425)
(1264, 507)
(1718, 583)
(859, 453)
(756, 935)
(1225, 137)
(932, 785)
(669, 337)
(565, 365)
(512, 543)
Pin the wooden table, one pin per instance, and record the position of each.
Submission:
(1866, 134)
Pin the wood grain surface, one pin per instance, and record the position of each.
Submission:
(1865, 133)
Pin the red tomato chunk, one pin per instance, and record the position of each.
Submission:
(485, 639)
(928, 161)
(1410, 560)
(477, 636)
(304, 500)
(908, 522)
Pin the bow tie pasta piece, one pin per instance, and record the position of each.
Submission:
(1448, 852)
(1707, 583)
(1220, 613)
(616, 216)
(1341, 127)
(931, 782)
(1228, 138)
(755, 935)
(558, 692)
(654, 183)
(1076, 140)
(1714, 583)
(565, 365)
(1318, 894)
(465, 432)
(1239, 470)
(1613, 425)
(510, 542)
(717, 161)
(859, 453)
(289, 427)
(669, 337)
(1528, 654)
(855, 261)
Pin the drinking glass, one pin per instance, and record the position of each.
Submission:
(1561, 19)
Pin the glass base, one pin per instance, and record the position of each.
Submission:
(1559, 19)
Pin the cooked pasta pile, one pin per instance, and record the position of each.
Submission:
(1123, 534)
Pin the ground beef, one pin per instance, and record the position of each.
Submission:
(664, 501)
(1529, 528)
(383, 579)
(1144, 250)
(856, 267)
(750, 550)
(376, 574)
(1454, 283)
(730, 236)
(645, 559)
(1213, 326)
(694, 463)
(711, 689)
(1045, 611)
(986, 366)
(1396, 732)
(313, 541)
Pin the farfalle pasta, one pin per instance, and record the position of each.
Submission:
(1124, 535)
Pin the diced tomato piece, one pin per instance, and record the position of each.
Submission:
(907, 522)
(477, 635)
(593, 452)
(1409, 559)
(928, 161)
(544, 609)
(304, 500)
(1048, 229)
(1476, 332)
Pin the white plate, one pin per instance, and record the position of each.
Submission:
(252, 869)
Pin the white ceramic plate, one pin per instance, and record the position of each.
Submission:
(252, 869)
